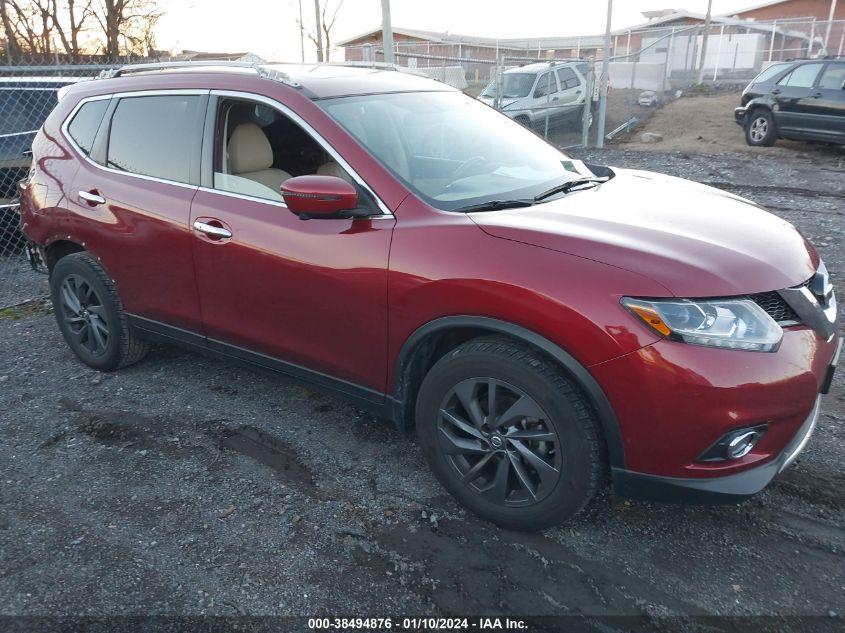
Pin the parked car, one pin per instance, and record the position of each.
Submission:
(543, 324)
(533, 92)
(648, 99)
(800, 100)
(25, 103)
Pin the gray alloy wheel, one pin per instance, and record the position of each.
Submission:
(499, 441)
(760, 128)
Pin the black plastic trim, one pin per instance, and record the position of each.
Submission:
(606, 414)
(363, 397)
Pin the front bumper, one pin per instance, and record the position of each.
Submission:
(739, 115)
(718, 490)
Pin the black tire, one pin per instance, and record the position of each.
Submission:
(555, 410)
(90, 314)
(760, 130)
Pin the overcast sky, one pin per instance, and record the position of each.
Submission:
(268, 27)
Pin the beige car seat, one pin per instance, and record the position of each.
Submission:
(251, 157)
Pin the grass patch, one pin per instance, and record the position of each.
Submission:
(27, 308)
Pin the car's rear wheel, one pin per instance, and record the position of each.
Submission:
(509, 435)
(90, 314)
(760, 128)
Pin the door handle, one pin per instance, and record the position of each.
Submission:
(817, 95)
(212, 231)
(92, 198)
(776, 91)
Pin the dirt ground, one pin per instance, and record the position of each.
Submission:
(705, 125)
(185, 486)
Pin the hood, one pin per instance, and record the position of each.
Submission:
(694, 240)
(504, 103)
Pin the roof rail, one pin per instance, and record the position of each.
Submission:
(262, 70)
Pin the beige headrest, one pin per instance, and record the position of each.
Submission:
(249, 150)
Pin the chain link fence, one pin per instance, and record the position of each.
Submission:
(28, 93)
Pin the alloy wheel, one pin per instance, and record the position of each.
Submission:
(84, 314)
(759, 129)
(499, 441)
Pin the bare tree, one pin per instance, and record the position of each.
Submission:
(320, 35)
(132, 21)
(38, 26)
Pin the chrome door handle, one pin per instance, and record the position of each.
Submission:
(211, 230)
(92, 198)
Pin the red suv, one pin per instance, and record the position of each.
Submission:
(544, 324)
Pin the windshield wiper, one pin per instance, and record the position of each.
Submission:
(569, 186)
(494, 205)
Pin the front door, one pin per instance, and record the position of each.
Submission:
(310, 293)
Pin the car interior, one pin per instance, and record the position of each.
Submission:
(258, 148)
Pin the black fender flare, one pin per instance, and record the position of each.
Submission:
(601, 403)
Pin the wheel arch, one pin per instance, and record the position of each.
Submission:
(59, 248)
(436, 338)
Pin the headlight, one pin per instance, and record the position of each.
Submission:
(726, 323)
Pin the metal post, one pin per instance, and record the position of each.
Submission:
(605, 71)
(812, 37)
(667, 70)
(719, 52)
(548, 102)
(704, 42)
(588, 105)
(829, 24)
(386, 31)
(772, 43)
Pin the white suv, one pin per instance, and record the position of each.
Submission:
(531, 93)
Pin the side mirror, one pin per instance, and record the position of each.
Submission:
(317, 196)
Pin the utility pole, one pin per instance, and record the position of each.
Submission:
(319, 28)
(605, 72)
(703, 43)
(829, 24)
(386, 32)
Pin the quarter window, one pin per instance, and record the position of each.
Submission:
(83, 128)
(154, 136)
(802, 77)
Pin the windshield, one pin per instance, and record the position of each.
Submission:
(452, 150)
(514, 85)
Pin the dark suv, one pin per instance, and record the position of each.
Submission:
(544, 324)
(800, 100)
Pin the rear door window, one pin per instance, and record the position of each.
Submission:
(155, 136)
(85, 123)
(802, 77)
(833, 77)
(567, 78)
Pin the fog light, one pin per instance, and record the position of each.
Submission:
(742, 444)
(734, 445)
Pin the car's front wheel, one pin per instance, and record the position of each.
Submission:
(509, 435)
(90, 314)
(760, 128)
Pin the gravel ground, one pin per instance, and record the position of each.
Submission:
(188, 486)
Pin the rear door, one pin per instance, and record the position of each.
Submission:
(544, 100)
(793, 101)
(827, 105)
(131, 199)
